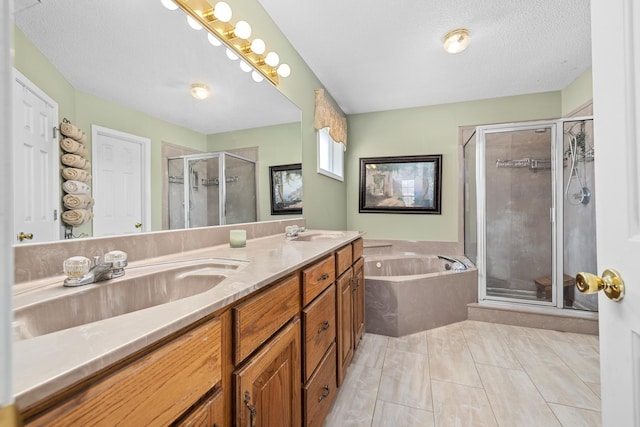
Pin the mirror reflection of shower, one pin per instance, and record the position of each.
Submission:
(576, 190)
(211, 189)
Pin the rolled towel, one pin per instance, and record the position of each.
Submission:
(87, 166)
(74, 161)
(76, 187)
(71, 131)
(77, 201)
(72, 146)
(83, 138)
(77, 217)
(76, 174)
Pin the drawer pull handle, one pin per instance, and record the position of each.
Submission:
(325, 326)
(324, 276)
(325, 393)
(251, 408)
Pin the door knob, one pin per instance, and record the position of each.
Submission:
(138, 225)
(23, 236)
(610, 282)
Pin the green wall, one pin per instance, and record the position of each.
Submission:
(578, 93)
(277, 145)
(428, 130)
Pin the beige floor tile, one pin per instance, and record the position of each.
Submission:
(389, 414)
(488, 346)
(514, 398)
(415, 343)
(595, 387)
(405, 380)
(371, 351)
(356, 398)
(449, 356)
(556, 381)
(576, 417)
(579, 354)
(460, 405)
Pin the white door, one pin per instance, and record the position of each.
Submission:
(120, 182)
(36, 183)
(615, 26)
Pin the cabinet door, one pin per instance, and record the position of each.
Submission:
(210, 413)
(358, 301)
(268, 386)
(344, 310)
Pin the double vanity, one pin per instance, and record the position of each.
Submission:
(254, 336)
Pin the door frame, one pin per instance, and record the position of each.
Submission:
(54, 183)
(145, 167)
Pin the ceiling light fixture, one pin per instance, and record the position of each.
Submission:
(200, 91)
(457, 40)
(216, 20)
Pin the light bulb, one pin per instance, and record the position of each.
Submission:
(245, 67)
(257, 77)
(169, 4)
(231, 55)
(213, 40)
(272, 59)
(284, 70)
(222, 12)
(456, 41)
(258, 47)
(242, 30)
(199, 91)
(193, 23)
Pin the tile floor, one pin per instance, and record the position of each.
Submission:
(472, 374)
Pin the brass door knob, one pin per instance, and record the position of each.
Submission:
(138, 225)
(610, 282)
(23, 236)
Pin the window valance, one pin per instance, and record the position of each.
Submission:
(327, 116)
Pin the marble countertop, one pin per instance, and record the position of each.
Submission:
(49, 363)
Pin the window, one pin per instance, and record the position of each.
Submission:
(330, 156)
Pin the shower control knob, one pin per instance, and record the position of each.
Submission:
(610, 282)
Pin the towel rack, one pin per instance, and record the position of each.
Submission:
(533, 164)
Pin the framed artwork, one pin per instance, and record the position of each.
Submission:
(286, 189)
(405, 184)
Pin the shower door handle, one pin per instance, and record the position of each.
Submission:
(610, 282)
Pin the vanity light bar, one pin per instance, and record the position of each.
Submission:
(235, 37)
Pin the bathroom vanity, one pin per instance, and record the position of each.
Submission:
(268, 345)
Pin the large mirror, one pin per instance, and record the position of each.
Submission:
(128, 67)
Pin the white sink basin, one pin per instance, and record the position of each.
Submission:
(324, 235)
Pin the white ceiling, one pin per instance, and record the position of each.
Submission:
(375, 55)
(138, 54)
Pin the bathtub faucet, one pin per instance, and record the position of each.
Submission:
(456, 263)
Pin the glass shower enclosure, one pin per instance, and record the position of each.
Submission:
(211, 189)
(530, 211)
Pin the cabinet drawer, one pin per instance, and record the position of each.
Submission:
(316, 278)
(256, 319)
(319, 329)
(207, 414)
(321, 391)
(358, 248)
(154, 390)
(344, 258)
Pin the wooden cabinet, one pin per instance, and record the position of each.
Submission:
(344, 313)
(358, 301)
(316, 278)
(320, 391)
(319, 329)
(268, 386)
(258, 318)
(154, 390)
(210, 413)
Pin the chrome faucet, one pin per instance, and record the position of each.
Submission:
(292, 231)
(456, 263)
(111, 268)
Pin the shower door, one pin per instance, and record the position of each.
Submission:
(516, 212)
